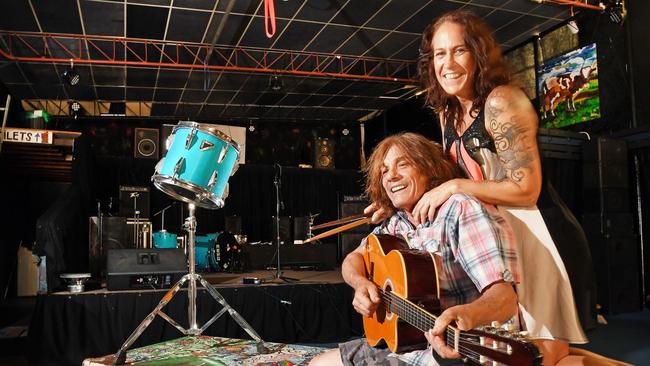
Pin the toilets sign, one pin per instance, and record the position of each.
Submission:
(27, 136)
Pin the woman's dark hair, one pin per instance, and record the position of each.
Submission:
(427, 156)
(491, 68)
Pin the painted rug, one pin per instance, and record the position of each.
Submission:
(213, 351)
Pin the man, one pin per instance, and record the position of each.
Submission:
(475, 245)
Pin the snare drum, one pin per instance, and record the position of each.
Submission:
(164, 239)
(198, 164)
(206, 253)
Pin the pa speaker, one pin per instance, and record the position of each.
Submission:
(129, 269)
(134, 199)
(285, 229)
(146, 143)
(324, 153)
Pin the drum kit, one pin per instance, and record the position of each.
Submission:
(199, 161)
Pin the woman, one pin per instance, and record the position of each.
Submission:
(489, 128)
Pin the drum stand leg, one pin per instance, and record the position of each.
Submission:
(190, 223)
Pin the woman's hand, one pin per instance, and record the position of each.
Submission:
(378, 215)
(425, 209)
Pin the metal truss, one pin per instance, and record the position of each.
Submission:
(102, 50)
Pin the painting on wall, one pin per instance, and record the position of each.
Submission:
(567, 86)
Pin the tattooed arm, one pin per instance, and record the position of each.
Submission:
(512, 122)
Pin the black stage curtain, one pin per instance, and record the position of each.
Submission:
(65, 329)
(252, 195)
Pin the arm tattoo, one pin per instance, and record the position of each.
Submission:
(510, 141)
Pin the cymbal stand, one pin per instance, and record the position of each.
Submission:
(192, 277)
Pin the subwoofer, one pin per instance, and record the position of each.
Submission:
(146, 143)
(324, 153)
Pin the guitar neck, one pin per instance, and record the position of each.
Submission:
(418, 317)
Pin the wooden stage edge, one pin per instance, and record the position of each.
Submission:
(236, 279)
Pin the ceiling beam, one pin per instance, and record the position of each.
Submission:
(63, 48)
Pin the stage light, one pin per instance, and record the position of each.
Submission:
(70, 75)
(616, 11)
(345, 132)
(75, 108)
(276, 83)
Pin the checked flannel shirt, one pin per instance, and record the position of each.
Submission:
(476, 245)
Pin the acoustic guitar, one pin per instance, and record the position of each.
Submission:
(408, 281)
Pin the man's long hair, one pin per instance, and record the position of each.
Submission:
(427, 156)
(491, 68)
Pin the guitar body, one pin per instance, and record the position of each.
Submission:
(387, 259)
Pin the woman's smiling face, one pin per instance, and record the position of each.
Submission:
(453, 62)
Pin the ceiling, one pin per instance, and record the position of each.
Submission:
(337, 60)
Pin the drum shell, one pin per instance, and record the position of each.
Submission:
(164, 239)
(199, 164)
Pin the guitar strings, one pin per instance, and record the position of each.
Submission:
(413, 313)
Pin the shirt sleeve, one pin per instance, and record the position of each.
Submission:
(484, 245)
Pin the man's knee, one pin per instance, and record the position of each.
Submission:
(327, 358)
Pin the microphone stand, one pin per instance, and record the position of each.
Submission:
(278, 204)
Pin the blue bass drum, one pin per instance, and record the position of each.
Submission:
(164, 239)
(198, 164)
(206, 253)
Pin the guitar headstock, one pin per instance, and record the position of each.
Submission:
(501, 346)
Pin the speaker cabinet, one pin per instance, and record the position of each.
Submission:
(617, 262)
(233, 224)
(285, 230)
(324, 153)
(129, 269)
(111, 234)
(134, 199)
(300, 228)
(145, 145)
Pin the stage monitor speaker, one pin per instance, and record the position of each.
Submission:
(111, 235)
(233, 224)
(130, 269)
(165, 132)
(285, 230)
(324, 153)
(129, 200)
(146, 143)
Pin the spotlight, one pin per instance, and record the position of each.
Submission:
(70, 75)
(251, 127)
(345, 132)
(75, 109)
(276, 83)
(616, 11)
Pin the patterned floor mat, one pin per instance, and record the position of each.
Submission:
(213, 351)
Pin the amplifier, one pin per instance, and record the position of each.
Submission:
(129, 269)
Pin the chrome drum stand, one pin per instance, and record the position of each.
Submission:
(192, 277)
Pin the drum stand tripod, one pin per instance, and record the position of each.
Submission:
(192, 277)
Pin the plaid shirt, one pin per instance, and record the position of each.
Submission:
(476, 245)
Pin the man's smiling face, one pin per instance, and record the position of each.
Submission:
(401, 179)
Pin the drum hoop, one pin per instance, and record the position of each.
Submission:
(75, 275)
(209, 129)
(160, 179)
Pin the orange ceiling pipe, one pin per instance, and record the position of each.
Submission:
(577, 4)
(100, 50)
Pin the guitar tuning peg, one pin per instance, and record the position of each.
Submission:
(510, 327)
(523, 333)
(495, 324)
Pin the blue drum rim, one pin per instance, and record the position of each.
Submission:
(161, 182)
(209, 129)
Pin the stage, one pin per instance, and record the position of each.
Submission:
(67, 328)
